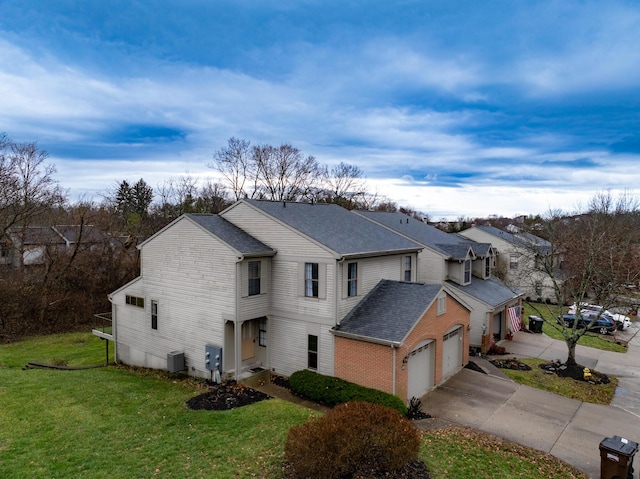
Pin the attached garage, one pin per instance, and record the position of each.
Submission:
(393, 339)
(421, 363)
(452, 349)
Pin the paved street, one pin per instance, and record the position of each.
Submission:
(568, 429)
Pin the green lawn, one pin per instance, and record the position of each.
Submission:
(121, 423)
(552, 329)
(567, 387)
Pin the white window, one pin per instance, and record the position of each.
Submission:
(135, 301)
(311, 280)
(154, 314)
(513, 261)
(254, 277)
(407, 268)
(352, 279)
(312, 352)
(441, 304)
(467, 271)
(487, 267)
(262, 332)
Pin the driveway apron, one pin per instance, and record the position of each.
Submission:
(568, 429)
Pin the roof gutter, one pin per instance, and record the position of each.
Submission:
(369, 339)
(379, 253)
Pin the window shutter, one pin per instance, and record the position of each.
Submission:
(265, 277)
(244, 279)
(322, 280)
(300, 279)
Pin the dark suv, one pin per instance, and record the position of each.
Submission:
(603, 324)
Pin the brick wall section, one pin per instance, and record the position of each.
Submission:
(370, 364)
(367, 364)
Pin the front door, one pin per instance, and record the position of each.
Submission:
(249, 332)
(497, 326)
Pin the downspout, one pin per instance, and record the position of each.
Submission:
(114, 328)
(338, 280)
(237, 326)
(393, 371)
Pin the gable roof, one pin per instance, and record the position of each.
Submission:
(448, 244)
(336, 228)
(388, 313)
(491, 291)
(230, 234)
(520, 239)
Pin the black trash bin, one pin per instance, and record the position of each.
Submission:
(535, 324)
(616, 457)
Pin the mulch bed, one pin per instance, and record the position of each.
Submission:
(575, 372)
(510, 364)
(227, 395)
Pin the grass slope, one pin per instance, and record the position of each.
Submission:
(115, 422)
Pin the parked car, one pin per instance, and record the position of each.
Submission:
(622, 321)
(603, 324)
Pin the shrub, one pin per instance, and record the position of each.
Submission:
(352, 439)
(333, 391)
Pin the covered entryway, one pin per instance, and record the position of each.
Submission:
(452, 352)
(421, 364)
(497, 326)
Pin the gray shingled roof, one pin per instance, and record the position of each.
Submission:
(336, 228)
(521, 239)
(389, 311)
(229, 233)
(445, 243)
(490, 291)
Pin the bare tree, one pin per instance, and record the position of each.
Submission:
(276, 173)
(593, 254)
(27, 186)
(285, 174)
(236, 164)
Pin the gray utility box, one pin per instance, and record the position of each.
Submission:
(175, 361)
(213, 357)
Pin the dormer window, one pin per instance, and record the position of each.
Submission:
(467, 271)
(487, 267)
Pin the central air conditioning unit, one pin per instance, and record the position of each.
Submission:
(175, 361)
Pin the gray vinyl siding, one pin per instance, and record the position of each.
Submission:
(255, 306)
(191, 275)
(285, 240)
(432, 267)
(478, 314)
(370, 272)
(289, 346)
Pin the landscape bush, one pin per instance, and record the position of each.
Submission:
(332, 391)
(354, 439)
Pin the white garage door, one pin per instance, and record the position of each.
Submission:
(421, 365)
(451, 352)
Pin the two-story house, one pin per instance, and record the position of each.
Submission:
(521, 259)
(465, 268)
(266, 285)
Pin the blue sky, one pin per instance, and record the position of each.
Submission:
(454, 108)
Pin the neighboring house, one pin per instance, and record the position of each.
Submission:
(520, 259)
(30, 245)
(465, 268)
(266, 285)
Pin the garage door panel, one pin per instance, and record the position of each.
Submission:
(451, 353)
(421, 364)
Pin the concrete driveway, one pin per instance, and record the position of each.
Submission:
(568, 429)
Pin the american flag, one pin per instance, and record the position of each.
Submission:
(514, 318)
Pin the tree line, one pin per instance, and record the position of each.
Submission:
(71, 283)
